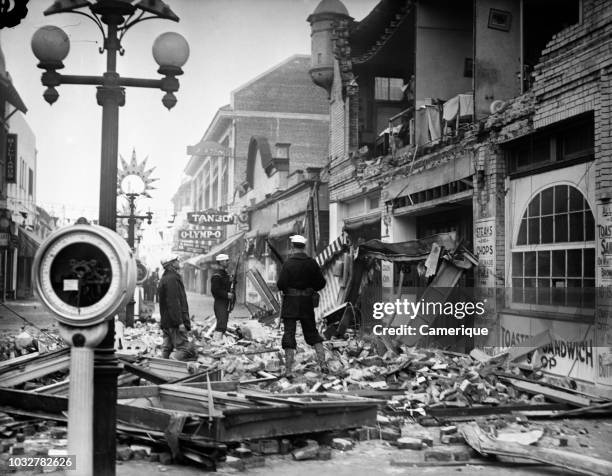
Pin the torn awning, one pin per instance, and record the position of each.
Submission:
(27, 242)
(199, 260)
(414, 250)
(10, 94)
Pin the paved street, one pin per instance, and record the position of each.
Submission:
(200, 306)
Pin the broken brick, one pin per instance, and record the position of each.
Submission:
(451, 439)
(310, 451)
(409, 443)
(438, 455)
(448, 430)
(342, 444)
(324, 453)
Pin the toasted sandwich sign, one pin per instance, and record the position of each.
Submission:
(210, 217)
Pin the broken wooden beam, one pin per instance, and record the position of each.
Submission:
(21, 370)
(556, 395)
(580, 463)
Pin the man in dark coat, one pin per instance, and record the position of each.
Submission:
(300, 277)
(220, 286)
(174, 312)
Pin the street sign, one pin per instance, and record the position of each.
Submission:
(210, 217)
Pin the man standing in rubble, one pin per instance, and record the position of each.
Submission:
(174, 311)
(300, 278)
(220, 285)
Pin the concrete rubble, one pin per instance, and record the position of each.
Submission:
(424, 399)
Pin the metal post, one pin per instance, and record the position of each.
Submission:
(106, 366)
(4, 258)
(129, 308)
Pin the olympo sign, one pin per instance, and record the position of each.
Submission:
(186, 234)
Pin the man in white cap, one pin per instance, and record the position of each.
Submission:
(220, 286)
(174, 311)
(299, 279)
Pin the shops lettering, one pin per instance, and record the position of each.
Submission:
(581, 351)
(484, 250)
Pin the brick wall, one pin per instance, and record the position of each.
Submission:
(287, 88)
(308, 139)
(574, 77)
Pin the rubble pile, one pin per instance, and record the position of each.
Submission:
(27, 341)
(424, 402)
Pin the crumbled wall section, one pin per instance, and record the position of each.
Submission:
(573, 77)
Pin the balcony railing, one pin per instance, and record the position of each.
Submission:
(429, 124)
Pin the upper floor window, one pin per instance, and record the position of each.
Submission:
(553, 260)
(388, 89)
(573, 141)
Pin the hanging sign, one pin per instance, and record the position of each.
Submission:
(11, 158)
(210, 217)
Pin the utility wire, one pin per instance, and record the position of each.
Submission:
(55, 338)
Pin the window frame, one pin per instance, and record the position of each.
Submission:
(556, 158)
(567, 309)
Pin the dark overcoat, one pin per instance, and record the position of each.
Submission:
(172, 299)
(220, 285)
(300, 272)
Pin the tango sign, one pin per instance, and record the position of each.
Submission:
(210, 218)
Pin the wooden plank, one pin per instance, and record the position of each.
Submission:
(137, 392)
(562, 458)
(143, 373)
(263, 289)
(550, 393)
(32, 369)
(450, 413)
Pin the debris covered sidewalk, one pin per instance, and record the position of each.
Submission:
(232, 407)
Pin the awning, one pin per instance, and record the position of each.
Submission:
(10, 94)
(285, 229)
(27, 243)
(193, 261)
(414, 250)
(199, 260)
(354, 223)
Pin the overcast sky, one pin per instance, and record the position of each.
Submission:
(231, 41)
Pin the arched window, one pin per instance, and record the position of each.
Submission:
(553, 259)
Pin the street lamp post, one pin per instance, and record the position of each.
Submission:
(131, 218)
(51, 45)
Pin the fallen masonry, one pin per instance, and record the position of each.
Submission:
(232, 407)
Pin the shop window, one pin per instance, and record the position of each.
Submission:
(553, 260)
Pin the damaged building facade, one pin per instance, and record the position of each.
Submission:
(259, 160)
(482, 120)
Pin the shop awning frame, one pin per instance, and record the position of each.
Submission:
(10, 94)
(198, 261)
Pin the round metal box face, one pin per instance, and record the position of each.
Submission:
(84, 273)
